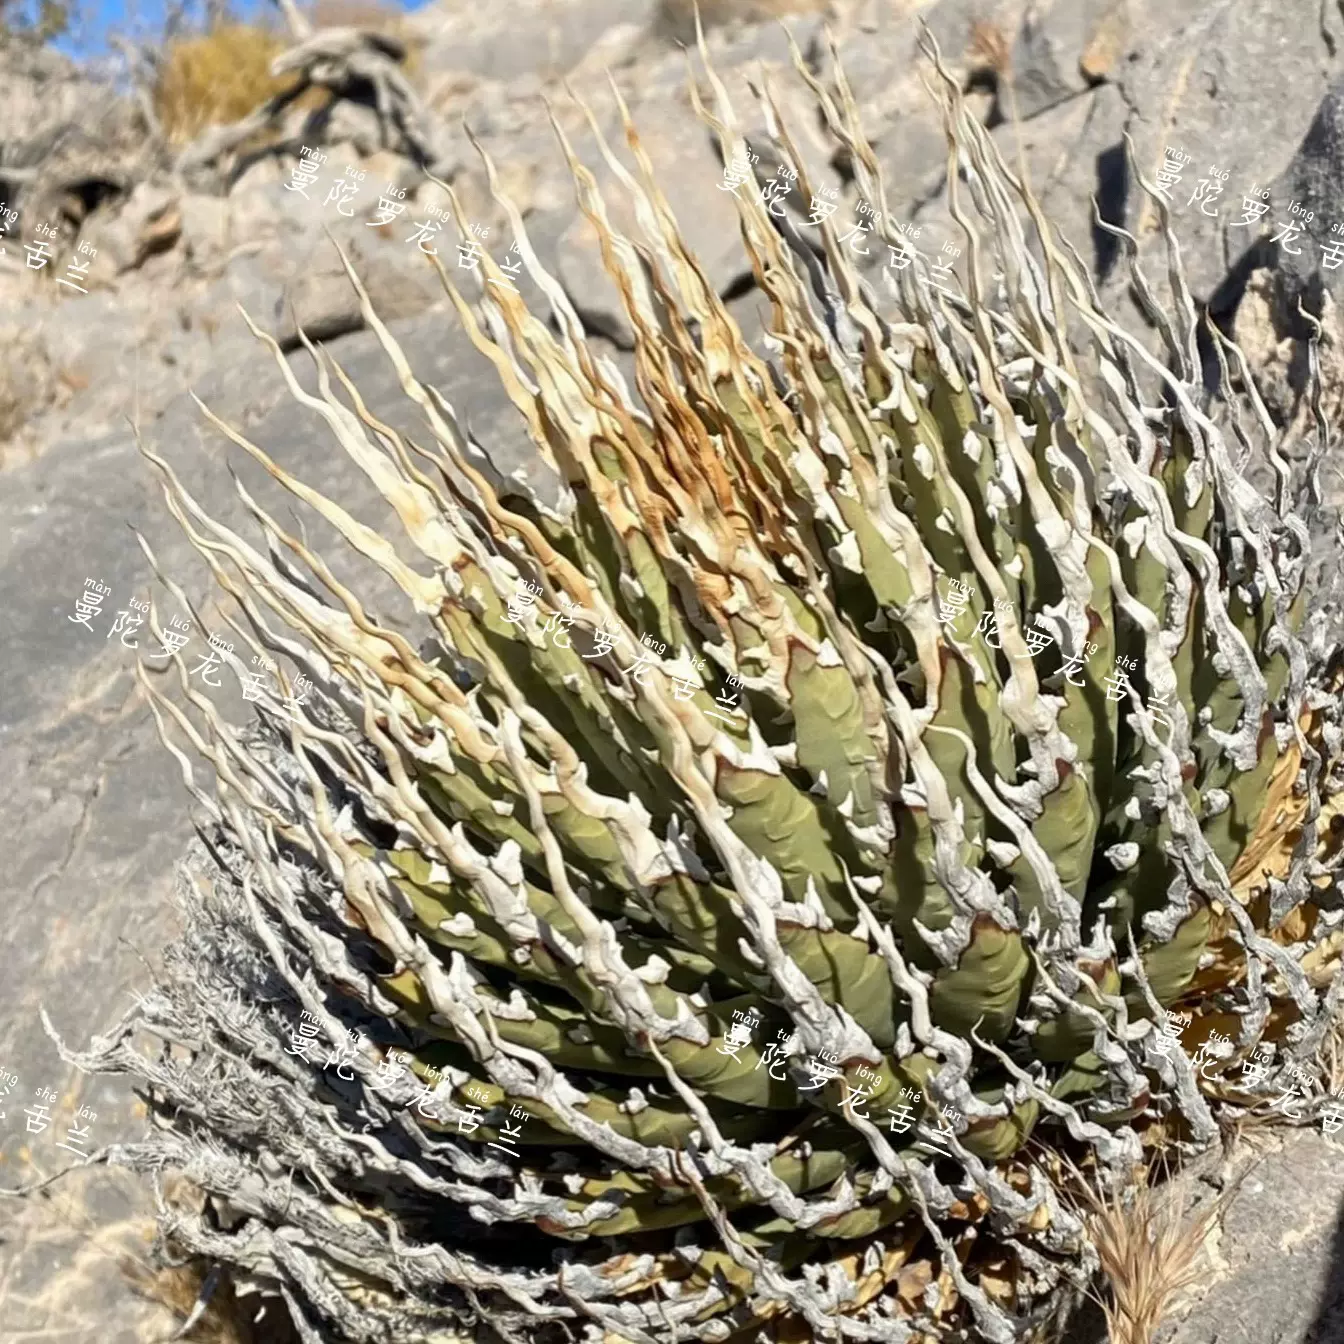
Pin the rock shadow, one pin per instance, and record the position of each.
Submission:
(1112, 195)
(1328, 1327)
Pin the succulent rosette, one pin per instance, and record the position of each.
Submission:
(780, 840)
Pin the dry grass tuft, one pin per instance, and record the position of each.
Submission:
(1149, 1248)
(1331, 1059)
(216, 79)
(989, 47)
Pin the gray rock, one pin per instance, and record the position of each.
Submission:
(304, 284)
(689, 162)
(1074, 153)
(71, 137)
(1275, 1275)
(1071, 153)
(545, 37)
(266, 171)
(1235, 87)
(206, 230)
(589, 287)
(279, 255)
(1309, 196)
(689, 172)
(886, 69)
(355, 125)
(676, 18)
(760, 57)
(1273, 337)
(94, 808)
(1300, 241)
(27, 376)
(79, 363)
(147, 222)
(44, 88)
(1062, 48)
(514, 130)
(740, 47)
(67, 1258)
(616, 49)
(913, 161)
(883, 61)
(262, 207)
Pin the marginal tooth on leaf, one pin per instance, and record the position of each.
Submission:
(749, 955)
(1122, 857)
(635, 1102)
(654, 971)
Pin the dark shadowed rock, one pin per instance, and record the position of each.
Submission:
(1300, 243)
(1307, 201)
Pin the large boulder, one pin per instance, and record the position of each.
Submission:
(95, 808)
(276, 257)
(1063, 47)
(542, 37)
(1232, 88)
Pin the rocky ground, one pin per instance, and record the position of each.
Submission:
(93, 809)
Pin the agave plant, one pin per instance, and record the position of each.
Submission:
(775, 855)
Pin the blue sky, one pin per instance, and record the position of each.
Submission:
(100, 17)
(96, 18)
